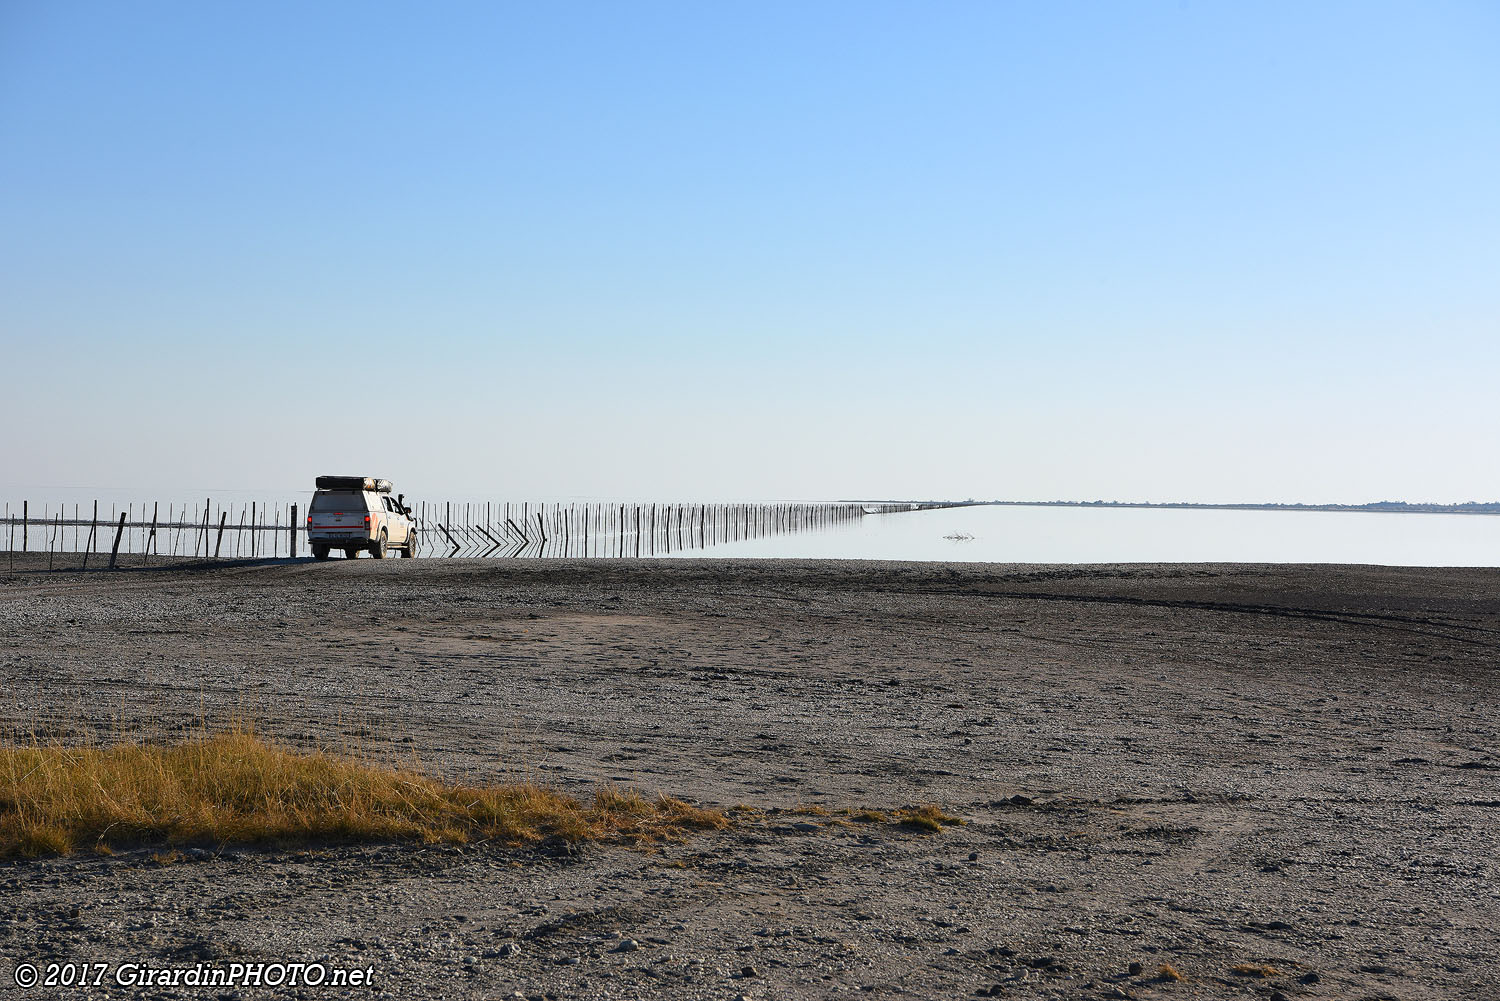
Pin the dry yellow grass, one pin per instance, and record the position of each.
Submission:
(1167, 971)
(1251, 970)
(234, 787)
(927, 817)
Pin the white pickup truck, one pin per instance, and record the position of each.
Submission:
(355, 513)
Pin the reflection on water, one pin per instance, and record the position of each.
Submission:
(1140, 535)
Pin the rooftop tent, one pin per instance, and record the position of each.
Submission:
(354, 483)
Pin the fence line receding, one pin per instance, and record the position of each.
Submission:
(258, 530)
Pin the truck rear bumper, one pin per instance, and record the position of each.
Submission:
(337, 538)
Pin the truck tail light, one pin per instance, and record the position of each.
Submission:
(367, 521)
(309, 521)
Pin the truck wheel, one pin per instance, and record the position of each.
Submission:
(411, 544)
(319, 552)
(378, 550)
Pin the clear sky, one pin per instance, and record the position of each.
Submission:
(1144, 251)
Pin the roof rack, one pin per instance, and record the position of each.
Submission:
(354, 483)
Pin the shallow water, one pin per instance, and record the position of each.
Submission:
(1007, 534)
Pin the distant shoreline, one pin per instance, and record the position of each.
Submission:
(1379, 507)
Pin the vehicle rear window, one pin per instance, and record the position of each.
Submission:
(342, 501)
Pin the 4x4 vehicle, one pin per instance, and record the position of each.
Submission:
(356, 512)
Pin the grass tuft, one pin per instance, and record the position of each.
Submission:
(1167, 971)
(235, 787)
(927, 817)
(1251, 970)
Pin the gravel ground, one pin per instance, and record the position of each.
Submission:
(1290, 770)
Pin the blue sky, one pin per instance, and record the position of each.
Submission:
(1142, 251)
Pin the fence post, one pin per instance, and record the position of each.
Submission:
(151, 539)
(93, 536)
(25, 518)
(223, 517)
(452, 541)
(291, 546)
(115, 550)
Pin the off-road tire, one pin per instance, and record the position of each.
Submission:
(320, 552)
(377, 551)
(411, 545)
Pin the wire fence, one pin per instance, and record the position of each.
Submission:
(257, 530)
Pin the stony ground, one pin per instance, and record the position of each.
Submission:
(1280, 781)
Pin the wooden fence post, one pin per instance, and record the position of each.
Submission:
(115, 550)
(223, 517)
(93, 542)
(155, 510)
(291, 546)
